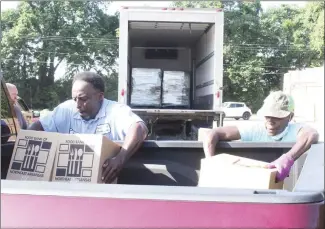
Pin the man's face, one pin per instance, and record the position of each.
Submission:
(13, 93)
(87, 98)
(275, 126)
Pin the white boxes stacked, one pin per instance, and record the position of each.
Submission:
(176, 89)
(146, 87)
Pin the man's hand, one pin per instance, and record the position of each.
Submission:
(226, 133)
(112, 167)
(283, 165)
(133, 140)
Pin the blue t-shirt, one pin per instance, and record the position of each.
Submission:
(257, 133)
(113, 120)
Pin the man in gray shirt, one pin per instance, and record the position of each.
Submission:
(13, 92)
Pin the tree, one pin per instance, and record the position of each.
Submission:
(39, 36)
(260, 47)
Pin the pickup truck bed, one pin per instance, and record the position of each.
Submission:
(149, 194)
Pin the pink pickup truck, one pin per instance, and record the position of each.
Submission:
(157, 189)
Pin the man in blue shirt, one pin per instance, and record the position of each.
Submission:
(90, 113)
(278, 111)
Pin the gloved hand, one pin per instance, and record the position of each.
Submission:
(283, 164)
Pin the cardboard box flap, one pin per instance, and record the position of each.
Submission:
(227, 159)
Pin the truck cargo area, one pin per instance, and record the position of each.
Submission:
(171, 62)
(174, 46)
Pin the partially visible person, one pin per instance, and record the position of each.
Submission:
(278, 111)
(13, 92)
(44, 112)
(88, 112)
(5, 132)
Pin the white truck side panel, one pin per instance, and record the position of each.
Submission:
(181, 64)
(172, 16)
(218, 60)
(205, 45)
(123, 57)
(204, 73)
(204, 69)
(208, 90)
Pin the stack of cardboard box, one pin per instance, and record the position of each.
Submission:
(60, 157)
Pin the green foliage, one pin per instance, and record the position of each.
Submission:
(259, 47)
(38, 36)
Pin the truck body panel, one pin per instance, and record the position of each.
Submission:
(201, 42)
(197, 38)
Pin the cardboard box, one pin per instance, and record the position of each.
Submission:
(33, 156)
(79, 157)
(230, 171)
(202, 132)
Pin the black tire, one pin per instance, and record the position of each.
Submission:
(246, 115)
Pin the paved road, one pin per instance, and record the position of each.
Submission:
(254, 119)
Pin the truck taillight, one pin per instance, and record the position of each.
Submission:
(122, 92)
(218, 95)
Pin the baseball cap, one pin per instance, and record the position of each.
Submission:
(277, 104)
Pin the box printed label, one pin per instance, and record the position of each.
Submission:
(75, 162)
(31, 157)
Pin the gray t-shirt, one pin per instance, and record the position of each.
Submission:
(20, 117)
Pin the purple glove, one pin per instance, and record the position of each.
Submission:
(283, 164)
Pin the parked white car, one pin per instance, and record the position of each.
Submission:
(236, 110)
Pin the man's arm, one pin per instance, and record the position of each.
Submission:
(226, 133)
(306, 137)
(133, 140)
(134, 132)
(36, 126)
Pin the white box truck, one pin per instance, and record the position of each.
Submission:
(174, 39)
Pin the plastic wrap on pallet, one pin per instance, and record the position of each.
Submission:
(176, 88)
(146, 87)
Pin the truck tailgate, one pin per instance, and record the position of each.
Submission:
(56, 205)
(176, 114)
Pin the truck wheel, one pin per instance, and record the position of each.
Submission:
(246, 115)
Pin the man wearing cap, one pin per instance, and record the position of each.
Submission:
(278, 111)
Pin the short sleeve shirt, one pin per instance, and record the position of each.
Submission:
(113, 120)
(257, 133)
(20, 117)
